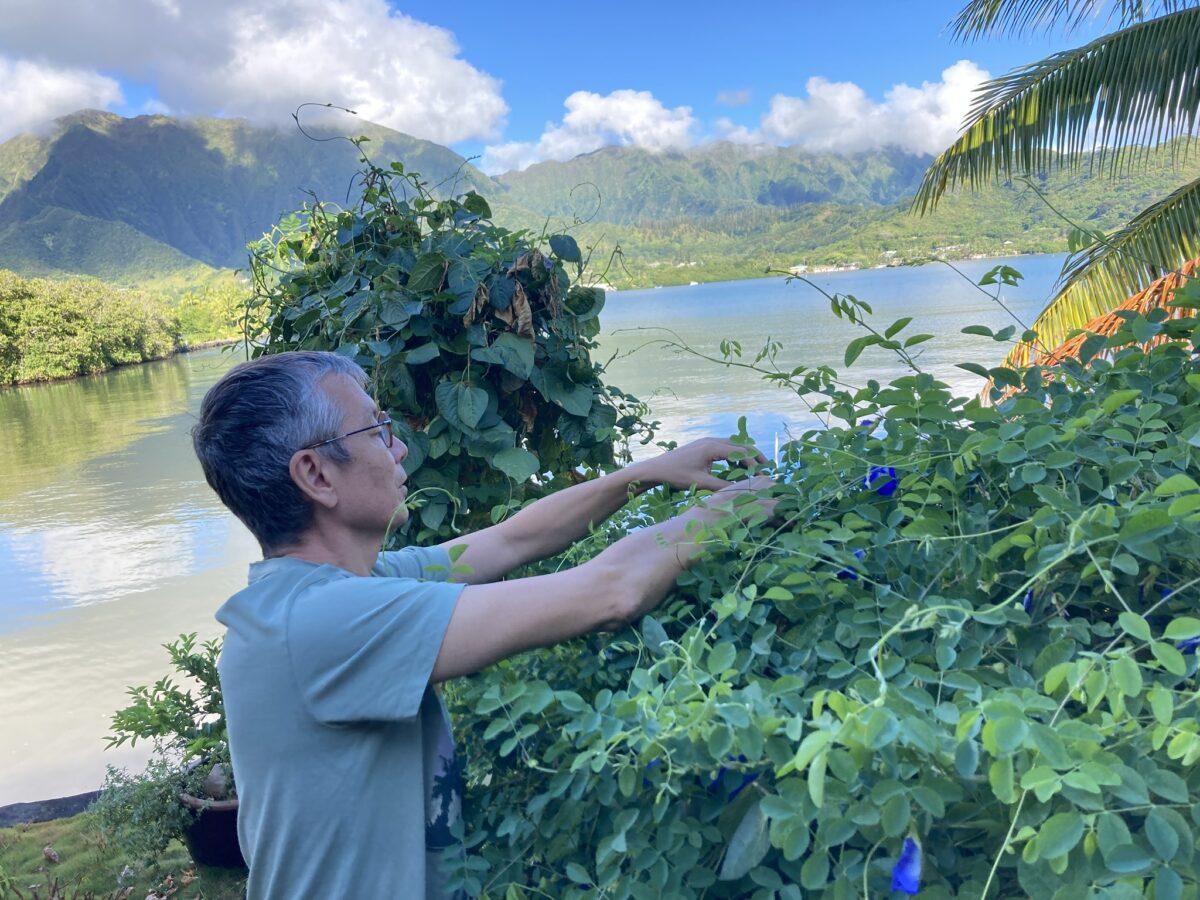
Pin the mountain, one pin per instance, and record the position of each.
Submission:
(154, 197)
(125, 199)
(627, 185)
(731, 211)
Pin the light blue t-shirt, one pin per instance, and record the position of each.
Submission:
(345, 767)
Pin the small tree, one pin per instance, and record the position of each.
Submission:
(475, 341)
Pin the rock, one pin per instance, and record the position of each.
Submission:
(50, 853)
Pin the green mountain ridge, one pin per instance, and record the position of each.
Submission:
(115, 197)
(154, 197)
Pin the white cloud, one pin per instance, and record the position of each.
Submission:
(626, 118)
(733, 97)
(728, 130)
(840, 117)
(262, 58)
(31, 93)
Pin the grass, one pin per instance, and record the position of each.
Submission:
(90, 870)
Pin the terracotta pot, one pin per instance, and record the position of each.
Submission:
(212, 838)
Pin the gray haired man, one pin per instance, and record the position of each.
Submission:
(342, 751)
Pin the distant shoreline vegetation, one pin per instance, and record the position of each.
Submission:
(52, 329)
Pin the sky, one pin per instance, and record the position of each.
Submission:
(514, 85)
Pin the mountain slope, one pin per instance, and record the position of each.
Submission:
(104, 194)
(633, 185)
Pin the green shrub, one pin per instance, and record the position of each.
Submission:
(59, 329)
(476, 343)
(212, 312)
(987, 655)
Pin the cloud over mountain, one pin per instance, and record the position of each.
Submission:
(838, 116)
(262, 58)
(624, 117)
(33, 92)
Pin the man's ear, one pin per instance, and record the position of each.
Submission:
(310, 471)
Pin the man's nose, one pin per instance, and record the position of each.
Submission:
(399, 450)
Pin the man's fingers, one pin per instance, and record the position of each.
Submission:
(711, 483)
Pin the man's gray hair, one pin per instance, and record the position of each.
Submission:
(251, 423)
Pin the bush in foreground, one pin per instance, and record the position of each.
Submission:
(963, 662)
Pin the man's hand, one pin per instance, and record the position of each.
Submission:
(690, 465)
(745, 499)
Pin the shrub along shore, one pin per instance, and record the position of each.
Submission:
(52, 329)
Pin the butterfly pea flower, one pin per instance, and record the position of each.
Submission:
(849, 573)
(1188, 645)
(881, 480)
(906, 873)
(1027, 603)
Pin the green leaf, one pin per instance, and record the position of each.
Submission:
(517, 463)
(427, 274)
(1162, 836)
(1127, 676)
(1117, 399)
(565, 247)
(511, 351)
(816, 778)
(1176, 484)
(1135, 625)
(1182, 506)
(422, 354)
(1182, 628)
(974, 369)
(1059, 834)
(721, 657)
(472, 403)
(1127, 859)
(1170, 658)
(748, 844)
(855, 348)
(578, 873)
(897, 326)
(895, 815)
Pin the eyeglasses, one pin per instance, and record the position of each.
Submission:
(385, 434)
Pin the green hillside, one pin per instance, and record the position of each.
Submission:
(649, 207)
(627, 185)
(121, 198)
(174, 201)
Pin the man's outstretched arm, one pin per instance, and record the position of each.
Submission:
(553, 523)
(626, 580)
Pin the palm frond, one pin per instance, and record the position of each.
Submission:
(1019, 17)
(1159, 240)
(1158, 295)
(1140, 84)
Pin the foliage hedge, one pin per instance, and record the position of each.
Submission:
(969, 642)
(59, 329)
(475, 340)
(961, 661)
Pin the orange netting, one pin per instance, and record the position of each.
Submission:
(1156, 296)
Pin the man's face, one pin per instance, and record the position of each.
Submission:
(371, 485)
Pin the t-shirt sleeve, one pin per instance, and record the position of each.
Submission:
(363, 649)
(426, 563)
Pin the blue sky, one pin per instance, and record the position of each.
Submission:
(518, 85)
(686, 53)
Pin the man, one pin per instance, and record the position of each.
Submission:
(342, 752)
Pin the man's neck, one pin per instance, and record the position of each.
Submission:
(346, 551)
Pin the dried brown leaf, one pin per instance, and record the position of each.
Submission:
(520, 307)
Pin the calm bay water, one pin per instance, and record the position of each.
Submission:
(111, 543)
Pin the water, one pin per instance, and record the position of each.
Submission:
(111, 543)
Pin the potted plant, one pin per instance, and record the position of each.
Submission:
(187, 789)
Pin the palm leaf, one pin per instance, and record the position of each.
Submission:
(1019, 17)
(1140, 84)
(1158, 240)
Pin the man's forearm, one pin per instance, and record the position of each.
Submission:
(552, 523)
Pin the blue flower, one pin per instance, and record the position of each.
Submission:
(906, 873)
(1028, 601)
(881, 480)
(1188, 645)
(849, 574)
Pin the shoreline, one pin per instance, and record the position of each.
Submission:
(184, 348)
